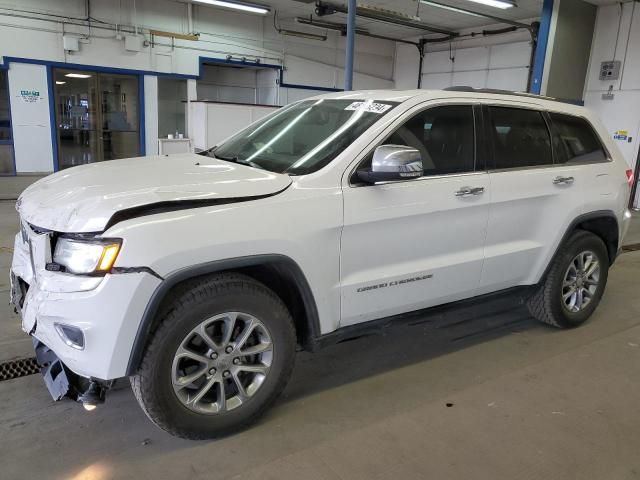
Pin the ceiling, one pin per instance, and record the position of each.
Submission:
(526, 9)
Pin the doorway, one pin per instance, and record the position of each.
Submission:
(97, 116)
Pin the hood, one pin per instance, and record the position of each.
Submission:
(84, 198)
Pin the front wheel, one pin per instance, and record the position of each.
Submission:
(575, 283)
(222, 353)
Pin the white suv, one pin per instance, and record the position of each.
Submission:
(198, 275)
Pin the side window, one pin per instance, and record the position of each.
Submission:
(577, 142)
(520, 138)
(443, 135)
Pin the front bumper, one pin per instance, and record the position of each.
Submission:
(106, 309)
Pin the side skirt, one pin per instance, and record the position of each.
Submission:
(440, 316)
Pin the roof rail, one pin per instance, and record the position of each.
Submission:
(463, 88)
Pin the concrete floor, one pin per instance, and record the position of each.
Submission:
(517, 401)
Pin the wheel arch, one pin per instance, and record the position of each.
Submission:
(602, 223)
(279, 272)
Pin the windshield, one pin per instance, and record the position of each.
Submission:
(303, 137)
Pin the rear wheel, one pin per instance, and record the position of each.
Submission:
(223, 352)
(575, 283)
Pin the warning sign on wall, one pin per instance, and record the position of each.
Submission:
(30, 96)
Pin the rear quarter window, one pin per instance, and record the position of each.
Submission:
(575, 140)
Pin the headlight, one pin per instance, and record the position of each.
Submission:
(86, 256)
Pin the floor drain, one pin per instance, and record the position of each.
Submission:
(18, 368)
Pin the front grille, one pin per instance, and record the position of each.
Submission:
(18, 368)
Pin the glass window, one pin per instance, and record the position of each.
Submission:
(172, 95)
(302, 137)
(576, 140)
(443, 135)
(5, 116)
(520, 138)
(97, 116)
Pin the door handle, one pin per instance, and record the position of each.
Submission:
(469, 191)
(563, 180)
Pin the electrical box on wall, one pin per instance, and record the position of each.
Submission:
(71, 44)
(133, 43)
(610, 70)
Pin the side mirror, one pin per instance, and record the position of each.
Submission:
(393, 162)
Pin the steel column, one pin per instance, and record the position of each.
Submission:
(351, 36)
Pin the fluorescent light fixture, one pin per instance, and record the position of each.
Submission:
(298, 33)
(58, 82)
(77, 75)
(449, 8)
(502, 4)
(245, 7)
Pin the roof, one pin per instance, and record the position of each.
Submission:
(452, 92)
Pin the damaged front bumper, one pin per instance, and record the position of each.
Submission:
(62, 382)
(103, 312)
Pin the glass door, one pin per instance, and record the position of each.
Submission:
(119, 135)
(96, 116)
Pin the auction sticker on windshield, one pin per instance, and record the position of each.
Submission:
(369, 107)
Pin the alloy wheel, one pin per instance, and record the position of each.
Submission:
(222, 363)
(580, 281)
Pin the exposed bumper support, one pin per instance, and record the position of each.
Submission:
(62, 382)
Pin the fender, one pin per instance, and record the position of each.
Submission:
(289, 266)
(572, 226)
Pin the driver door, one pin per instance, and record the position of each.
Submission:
(412, 244)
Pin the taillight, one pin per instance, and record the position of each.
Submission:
(629, 177)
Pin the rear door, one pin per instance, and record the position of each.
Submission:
(532, 198)
(415, 243)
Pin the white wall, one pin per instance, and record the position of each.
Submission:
(151, 114)
(30, 117)
(619, 25)
(500, 61)
(222, 33)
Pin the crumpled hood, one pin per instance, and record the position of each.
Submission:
(84, 198)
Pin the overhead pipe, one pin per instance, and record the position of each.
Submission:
(351, 37)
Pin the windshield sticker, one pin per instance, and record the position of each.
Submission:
(369, 107)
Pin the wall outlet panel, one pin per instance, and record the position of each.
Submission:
(610, 70)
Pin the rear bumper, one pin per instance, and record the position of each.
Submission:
(107, 310)
(624, 227)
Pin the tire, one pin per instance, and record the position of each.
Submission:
(554, 303)
(159, 383)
